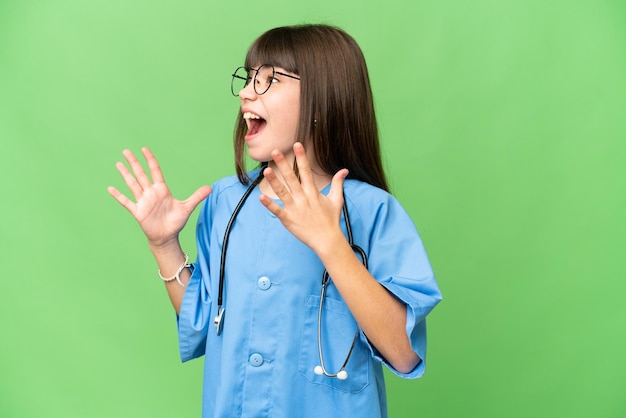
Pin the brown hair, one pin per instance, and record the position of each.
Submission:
(336, 105)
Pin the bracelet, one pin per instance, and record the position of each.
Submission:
(177, 275)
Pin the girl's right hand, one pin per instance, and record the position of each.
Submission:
(159, 214)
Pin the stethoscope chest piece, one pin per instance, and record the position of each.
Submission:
(219, 321)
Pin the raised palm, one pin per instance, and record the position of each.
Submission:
(159, 214)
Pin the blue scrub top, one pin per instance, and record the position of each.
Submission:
(262, 363)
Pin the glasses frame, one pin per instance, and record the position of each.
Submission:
(254, 84)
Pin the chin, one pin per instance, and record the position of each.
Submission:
(260, 157)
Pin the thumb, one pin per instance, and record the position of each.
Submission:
(197, 197)
(336, 186)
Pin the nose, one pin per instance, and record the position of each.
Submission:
(247, 93)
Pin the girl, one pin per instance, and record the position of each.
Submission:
(309, 275)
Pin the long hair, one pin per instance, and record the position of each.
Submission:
(337, 116)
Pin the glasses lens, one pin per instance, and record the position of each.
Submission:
(263, 78)
(241, 78)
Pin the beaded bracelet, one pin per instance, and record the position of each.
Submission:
(177, 275)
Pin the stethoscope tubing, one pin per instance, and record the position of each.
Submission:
(219, 318)
(341, 374)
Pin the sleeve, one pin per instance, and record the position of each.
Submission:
(398, 260)
(195, 310)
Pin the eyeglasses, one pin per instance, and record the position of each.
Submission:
(264, 77)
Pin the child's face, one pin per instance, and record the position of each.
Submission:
(272, 117)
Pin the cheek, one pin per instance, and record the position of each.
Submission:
(295, 112)
(290, 117)
(284, 116)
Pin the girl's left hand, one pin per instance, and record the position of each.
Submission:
(309, 215)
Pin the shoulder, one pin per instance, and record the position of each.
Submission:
(375, 209)
(226, 192)
(225, 185)
(360, 187)
(230, 186)
(365, 197)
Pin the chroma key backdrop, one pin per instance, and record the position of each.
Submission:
(503, 127)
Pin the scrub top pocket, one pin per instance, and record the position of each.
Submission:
(338, 328)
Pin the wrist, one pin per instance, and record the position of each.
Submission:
(176, 275)
(167, 247)
(332, 245)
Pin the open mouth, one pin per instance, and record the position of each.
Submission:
(256, 124)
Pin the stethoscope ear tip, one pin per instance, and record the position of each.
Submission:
(342, 375)
(318, 370)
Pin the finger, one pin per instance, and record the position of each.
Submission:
(153, 165)
(272, 206)
(304, 167)
(286, 170)
(277, 186)
(138, 170)
(197, 197)
(335, 193)
(123, 200)
(130, 180)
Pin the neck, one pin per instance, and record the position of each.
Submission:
(320, 178)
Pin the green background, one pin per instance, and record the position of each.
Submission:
(503, 129)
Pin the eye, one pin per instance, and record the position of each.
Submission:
(270, 79)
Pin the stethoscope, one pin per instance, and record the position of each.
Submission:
(320, 369)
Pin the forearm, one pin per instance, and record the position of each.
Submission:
(380, 315)
(169, 258)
